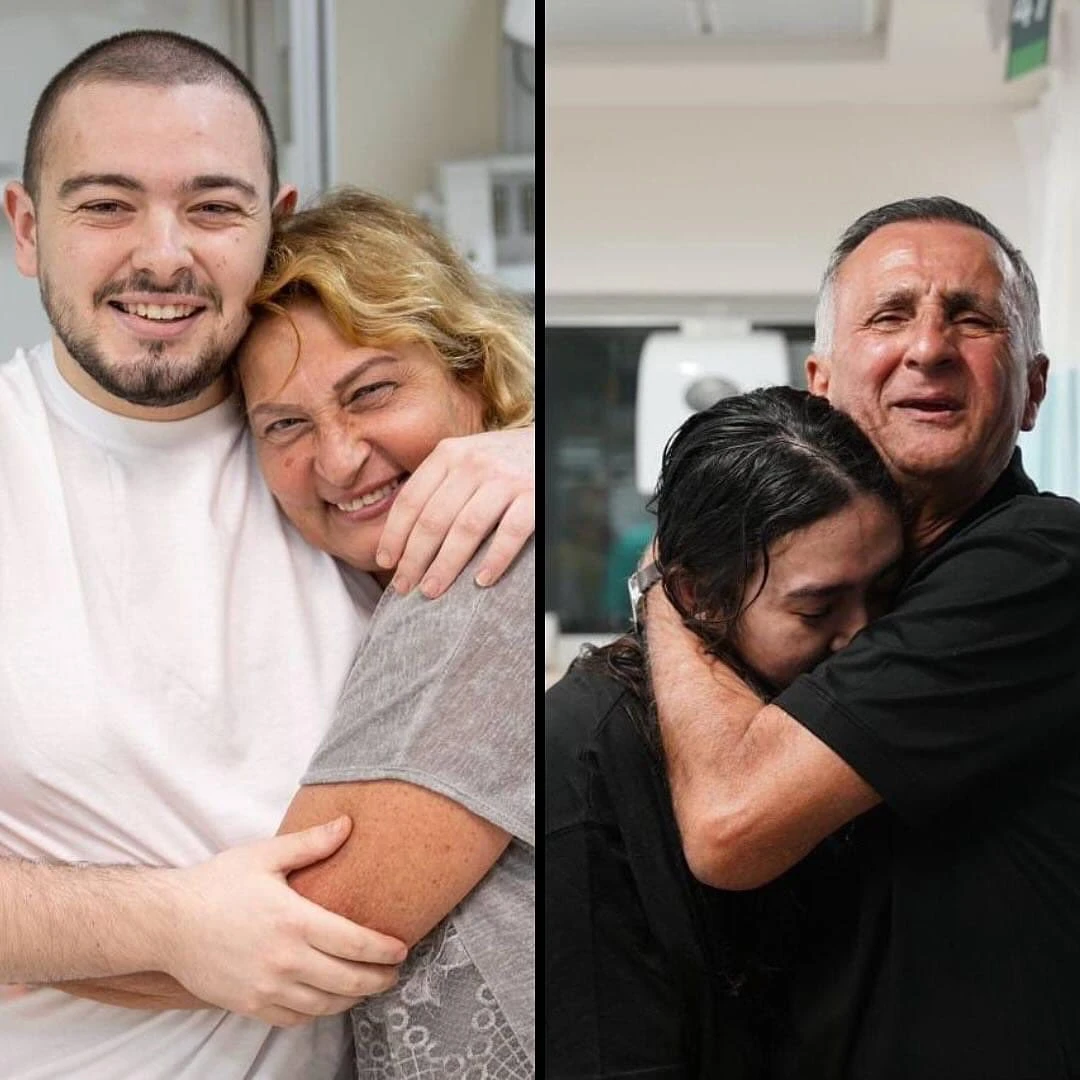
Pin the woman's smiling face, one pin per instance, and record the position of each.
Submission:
(340, 427)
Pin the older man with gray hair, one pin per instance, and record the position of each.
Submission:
(946, 734)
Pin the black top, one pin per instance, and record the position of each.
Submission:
(648, 973)
(962, 709)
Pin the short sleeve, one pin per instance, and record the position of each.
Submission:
(973, 678)
(442, 694)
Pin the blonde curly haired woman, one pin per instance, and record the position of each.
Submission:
(372, 341)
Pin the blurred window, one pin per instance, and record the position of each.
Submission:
(596, 521)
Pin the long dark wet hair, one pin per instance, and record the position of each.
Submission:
(736, 478)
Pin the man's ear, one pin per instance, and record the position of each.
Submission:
(19, 208)
(285, 203)
(1036, 391)
(817, 374)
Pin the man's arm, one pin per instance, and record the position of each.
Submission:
(464, 488)
(153, 991)
(230, 931)
(754, 791)
(442, 691)
(967, 685)
(120, 913)
(412, 856)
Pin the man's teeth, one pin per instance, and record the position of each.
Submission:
(369, 499)
(160, 311)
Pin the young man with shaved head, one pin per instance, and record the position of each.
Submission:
(171, 651)
(947, 733)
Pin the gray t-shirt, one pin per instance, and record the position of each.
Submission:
(442, 694)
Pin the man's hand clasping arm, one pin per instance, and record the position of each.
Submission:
(230, 931)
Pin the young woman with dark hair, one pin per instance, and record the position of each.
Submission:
(778, 538)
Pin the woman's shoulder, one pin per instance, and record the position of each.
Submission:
(593, 729)
(583, 704)
(466, 606)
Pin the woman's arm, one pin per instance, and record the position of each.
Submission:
(412, 857)
(432, 752)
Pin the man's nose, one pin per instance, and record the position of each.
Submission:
(931, 341)
(163, 247)
(340, 454)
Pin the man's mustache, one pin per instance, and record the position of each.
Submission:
(183, 283)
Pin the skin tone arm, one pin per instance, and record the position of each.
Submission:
(754, 791)
(416, 856)
(465, 488)
(230, 931)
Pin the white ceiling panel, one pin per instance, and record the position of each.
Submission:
(613, 22)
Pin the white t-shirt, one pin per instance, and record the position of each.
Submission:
(170, 655)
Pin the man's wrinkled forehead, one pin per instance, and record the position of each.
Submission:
(913, 256)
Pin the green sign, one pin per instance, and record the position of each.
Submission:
(1029, 36)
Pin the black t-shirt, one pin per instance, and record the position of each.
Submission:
(648, 973)
(962, 709)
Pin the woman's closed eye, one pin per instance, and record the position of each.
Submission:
(815, 615)
(372, 393)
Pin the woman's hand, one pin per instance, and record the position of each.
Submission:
(464, 488)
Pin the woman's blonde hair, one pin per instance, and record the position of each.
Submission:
(385, 277)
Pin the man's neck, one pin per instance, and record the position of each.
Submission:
(933, 512)
(86, 387)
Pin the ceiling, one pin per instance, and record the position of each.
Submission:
(676, 53)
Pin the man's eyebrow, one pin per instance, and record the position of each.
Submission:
(82, 180)
(899, 297)
(208, 182)
(213, 181)
(965, 300)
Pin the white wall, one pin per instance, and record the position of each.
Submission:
(417, 82)
(748, 200)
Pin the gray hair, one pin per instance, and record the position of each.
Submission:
(1019, 294)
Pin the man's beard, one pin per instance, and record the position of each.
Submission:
(150, 379)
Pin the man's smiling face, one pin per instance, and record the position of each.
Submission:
(148, 235)
(922, 354)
